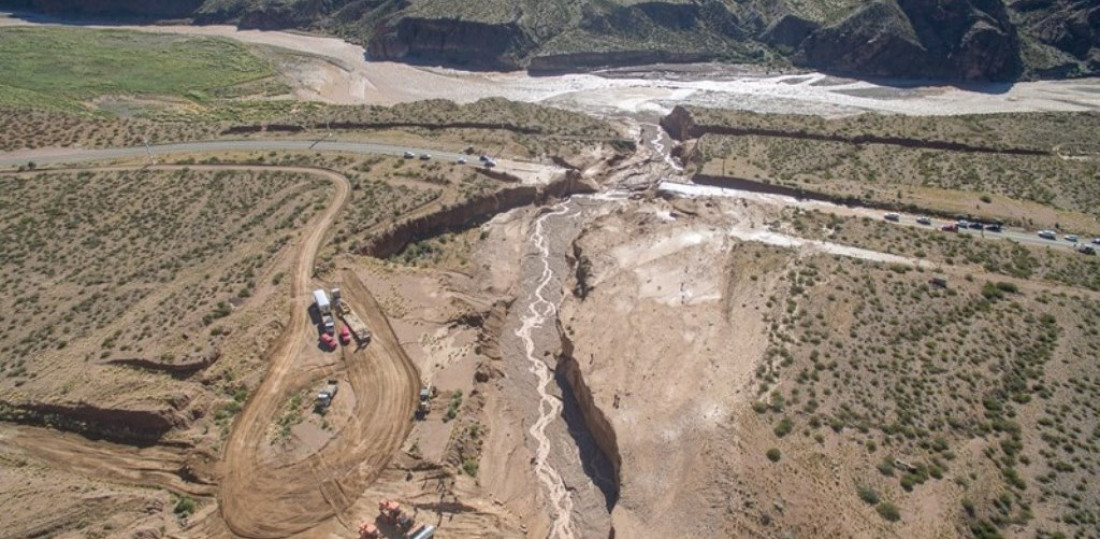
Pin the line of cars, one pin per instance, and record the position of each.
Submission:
(962, 223)
(1081, 247)
(950, 227)
(486, 161)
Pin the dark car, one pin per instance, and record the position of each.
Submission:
(976, 225)
(995, 227)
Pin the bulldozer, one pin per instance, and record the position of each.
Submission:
(369, 531)
(391, 514)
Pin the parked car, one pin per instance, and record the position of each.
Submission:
(489, 163)
(1048, 235)
(461, 160)
(1086, 249)
(1071, 237)
(1096, 241)
(409, 155)
(976, 225)
(950, 228)
(922, 220)
(425, 157)
(483, 158)
(995, 227)
(892, 217)
(962, 223)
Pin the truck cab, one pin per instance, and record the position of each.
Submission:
(327, 394)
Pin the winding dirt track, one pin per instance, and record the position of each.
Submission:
(161, 466)
(258, 500)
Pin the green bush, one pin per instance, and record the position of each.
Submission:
(784, 427)
(888, 511)
(868, 495)
(774, 455)
(185, 506)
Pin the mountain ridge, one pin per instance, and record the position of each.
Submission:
(958, 40)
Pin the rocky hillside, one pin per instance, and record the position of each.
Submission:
(968, 40)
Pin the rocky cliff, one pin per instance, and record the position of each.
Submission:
(965, 40)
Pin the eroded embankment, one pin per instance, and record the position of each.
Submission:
(460, 215)
(595, 421)
(681, 125)
(756, 186)
(364, 126)
(126, 426)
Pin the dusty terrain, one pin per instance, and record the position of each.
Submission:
(604, 353)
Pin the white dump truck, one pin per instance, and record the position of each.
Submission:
(324, 309)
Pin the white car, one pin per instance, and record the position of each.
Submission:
(1071, 237)
(461, 160)
(1096, 241)
(409, 155)
(1048, 235)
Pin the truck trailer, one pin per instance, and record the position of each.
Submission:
(324, 308)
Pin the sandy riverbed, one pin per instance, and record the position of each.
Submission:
(338, 72)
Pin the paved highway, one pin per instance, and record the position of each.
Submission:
(1019, 236)
(910, 220)
(56, 156)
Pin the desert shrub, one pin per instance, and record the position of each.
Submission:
(774, 455)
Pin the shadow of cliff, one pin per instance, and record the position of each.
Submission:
(596, 465)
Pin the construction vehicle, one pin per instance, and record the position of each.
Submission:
(424, 405)
(423, 531)
(392, 515)
(324, 309)
(324, 398)
(352, 322)
(369, 531)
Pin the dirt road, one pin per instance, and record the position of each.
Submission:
(257, 500)
(273, 501)
(161, 466)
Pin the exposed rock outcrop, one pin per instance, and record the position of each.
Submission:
(451, 41)
(123, 425)
(595, 420)
(963, 40)
(393, 240)
(681, 125)
(156, 9)
(968, 40)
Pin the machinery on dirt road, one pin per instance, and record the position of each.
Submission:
(424, 405)
(391, 514)
(324, 310)
(352, 322)
(369, 531)
(324, 398)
